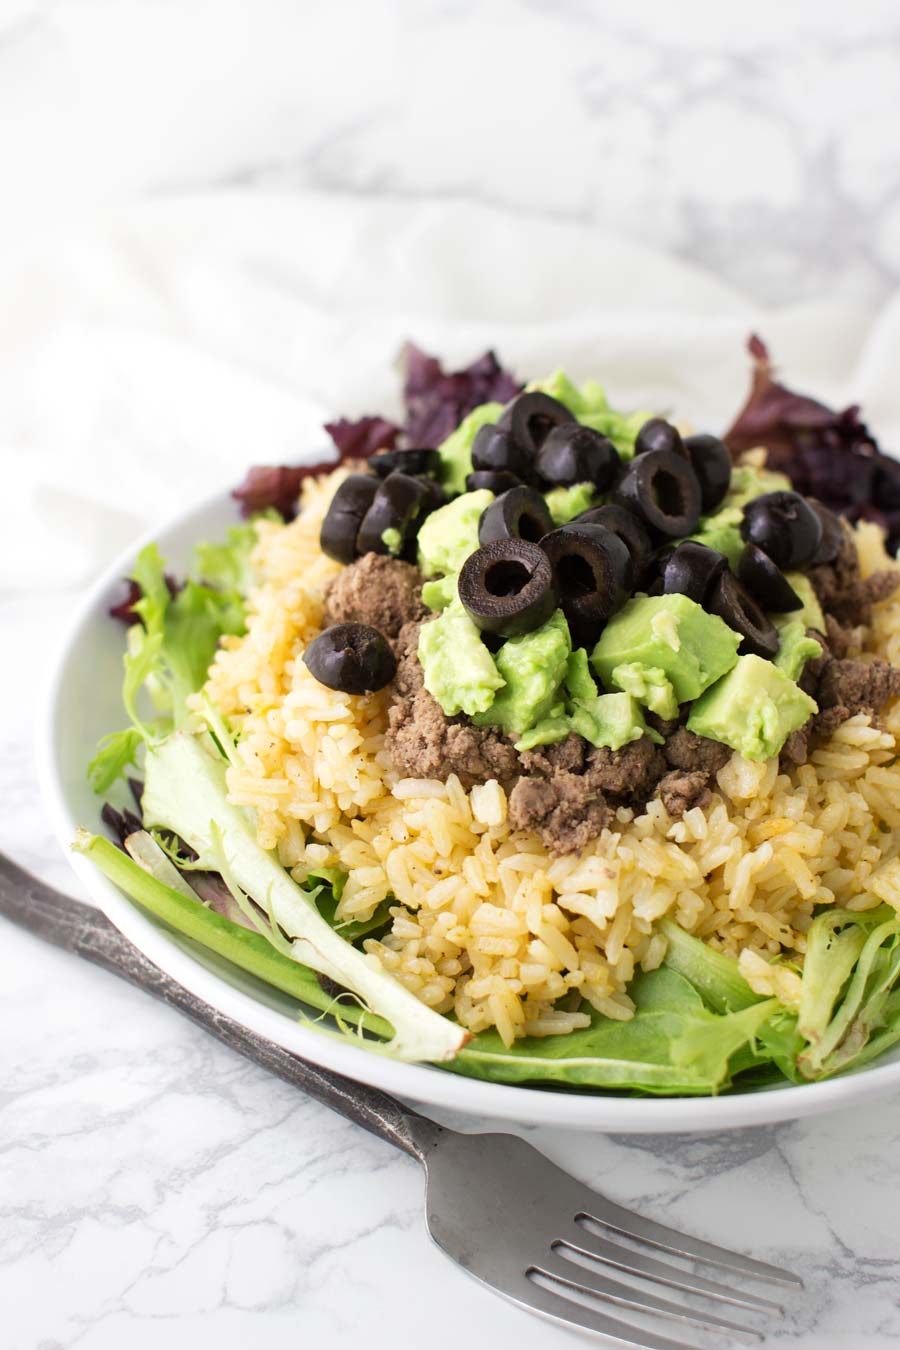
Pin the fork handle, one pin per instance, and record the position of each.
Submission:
(86, 931)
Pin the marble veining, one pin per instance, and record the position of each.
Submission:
(154, 1189)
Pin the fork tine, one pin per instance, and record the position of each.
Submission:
(627, 1296)
(635, 1263)
(609, 1215)
(566, 1312)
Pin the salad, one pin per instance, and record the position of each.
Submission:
(537, 740)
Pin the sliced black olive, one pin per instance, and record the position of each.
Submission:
(628, 527)
(415, 462)
(832, 533)
(507, 587)
(662, 488)
(433, 496)
(766, 583)
(574, 454)
(496, 481)
(783, 525)
(711, 461)
(692, 570)
(593, 574)
(496, 448)
(397, 505)
(652, 579)
(351, 657)
(658, 434)
(520, 513)
(530, 418)
(345, 515)
(740, 611)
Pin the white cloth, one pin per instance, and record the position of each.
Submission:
(152, 361)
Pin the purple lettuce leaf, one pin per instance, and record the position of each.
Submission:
(830, 455)
(437, 400)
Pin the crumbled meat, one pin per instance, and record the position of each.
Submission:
(666, 726)
(822, 724)
(382, 592)
(566, 811)
(795, 750)
(630, 773)
(689, 752)
(679, 792)
(424, 743)
(811, 673)
(840, 639)
(841, 591)
(565, 756)
(858, 685)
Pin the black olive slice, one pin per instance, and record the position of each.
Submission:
(766, 583)
(496, 448)
(593, 573)
(345, 515)
(711, 462)
(740, 611)
(397, 505)
(692, 570)
(351, 657)
(658, 434)
(628, 527)
(496, 481)
(574, 454)
(783, 525)
(832, 533)
(530, 418)
(520, 513)
(507, 587)
(661, 487)
(414, 462)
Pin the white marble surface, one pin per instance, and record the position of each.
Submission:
(154, 1189)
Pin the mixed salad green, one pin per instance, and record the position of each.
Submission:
(192, 860)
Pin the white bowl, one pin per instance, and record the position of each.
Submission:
(83, 703)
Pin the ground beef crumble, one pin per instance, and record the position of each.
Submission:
(382, 592)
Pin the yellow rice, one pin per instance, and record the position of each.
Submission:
(484, 922)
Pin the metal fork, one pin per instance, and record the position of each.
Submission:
(495, 1205)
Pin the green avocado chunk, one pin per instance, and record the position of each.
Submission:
(649, 685)
(531, 668)
(670, 633)
(456, 450)
(441, 591)
(565, 503)
(724, 537)
(754, 708)
(611, 720)
(810, 615)
(459, 670)
(450, 534)
(795, 649)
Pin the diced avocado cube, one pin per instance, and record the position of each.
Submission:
(670, 633)
(611, 720)
(441, 591)
(795, 648)
(531, 667)
(459, 670)
(578, 678)
(748, 482)
(546, 732)
(565, 503)
(450, 534)
(393, 541)
(810, 615)
(754, 708)
(456, 450)
(649, 685)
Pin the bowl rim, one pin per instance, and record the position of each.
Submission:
(424, 1084)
